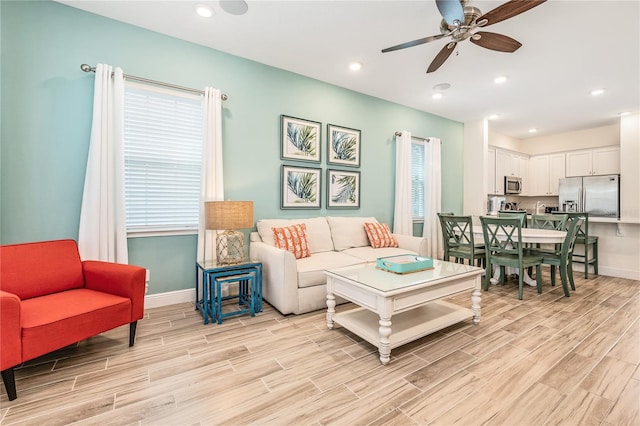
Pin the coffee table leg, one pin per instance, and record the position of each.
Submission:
(475, 304)
(385, 345)
(331, 309)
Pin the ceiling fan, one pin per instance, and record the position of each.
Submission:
(460, 22)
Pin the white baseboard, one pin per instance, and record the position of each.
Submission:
(613, 272)
(169, 298)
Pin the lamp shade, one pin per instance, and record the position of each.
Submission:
(228, 214)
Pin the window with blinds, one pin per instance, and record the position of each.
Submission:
(417, 179)
(163, 133)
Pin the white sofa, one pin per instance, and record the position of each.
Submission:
(299, 285)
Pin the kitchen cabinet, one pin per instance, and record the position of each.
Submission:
(501, 163)
(590, 162)
(523, 167)
(492, 188)
(545, 172)
(507, 164)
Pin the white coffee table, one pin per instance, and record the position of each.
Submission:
(396, 309)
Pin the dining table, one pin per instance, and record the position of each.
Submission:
(529, 235)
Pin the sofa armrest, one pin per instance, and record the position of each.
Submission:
(10, 330)
(279, 276)
(119, 279)
(415, 244)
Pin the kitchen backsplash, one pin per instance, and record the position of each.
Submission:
(529, 203)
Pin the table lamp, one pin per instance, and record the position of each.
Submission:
(228, 216)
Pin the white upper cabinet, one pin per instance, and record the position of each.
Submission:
(523, 170)
(507, 164)
(501, 163)
(492, 188)
(606, 161)
(556, 172)
(597, 161)
(545, 172)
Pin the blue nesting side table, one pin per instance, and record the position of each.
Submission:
(248, 276)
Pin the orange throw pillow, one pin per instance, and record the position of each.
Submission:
(379, 235)
(292, 238)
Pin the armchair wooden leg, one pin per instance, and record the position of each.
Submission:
(9, 383)
(132, 332)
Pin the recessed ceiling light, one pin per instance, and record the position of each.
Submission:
(355, 66)
(437, 95)
(500, 79)
(622, 114)
(493, 117)
(533, 130)
(204, 11)
(597, 92)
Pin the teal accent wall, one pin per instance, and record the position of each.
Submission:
(46, 120)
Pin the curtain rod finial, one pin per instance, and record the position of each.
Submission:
(86, 68)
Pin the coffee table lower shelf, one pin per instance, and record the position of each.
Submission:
(406, 326)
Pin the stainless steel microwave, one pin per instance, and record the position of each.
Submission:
(512, 185)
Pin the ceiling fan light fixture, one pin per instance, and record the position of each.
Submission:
(204, 11)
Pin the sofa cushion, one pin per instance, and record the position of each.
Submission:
(379, 235)
(292, 238)
(370, 254)
(35, 269)
(56, 320)
(318, 232)
(311, 269)
(348, 232)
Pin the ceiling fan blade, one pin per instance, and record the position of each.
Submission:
(442, 56)
(414, 43)
(451, 10)
(494, 41)
(509, 10)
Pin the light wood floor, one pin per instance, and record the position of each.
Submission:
(546, 360)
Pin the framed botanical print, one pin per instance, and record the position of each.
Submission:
(300, 139)
(300, 187)
(343, 146)
(343, 189)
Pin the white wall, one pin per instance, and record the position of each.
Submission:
(505, 142)
(568, 141)
(475, 183)
(630, 167)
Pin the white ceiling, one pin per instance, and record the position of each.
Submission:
(569, 48)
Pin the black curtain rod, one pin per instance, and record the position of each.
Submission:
(87, 68)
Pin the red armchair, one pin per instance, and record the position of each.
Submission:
(49, 299)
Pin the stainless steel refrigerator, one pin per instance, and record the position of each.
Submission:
(597, 195)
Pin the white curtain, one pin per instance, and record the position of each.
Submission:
(402, 213)
(211, 179)
(102, 232)
(433, 196)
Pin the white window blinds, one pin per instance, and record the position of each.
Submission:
(417, 179)
(162, 155)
